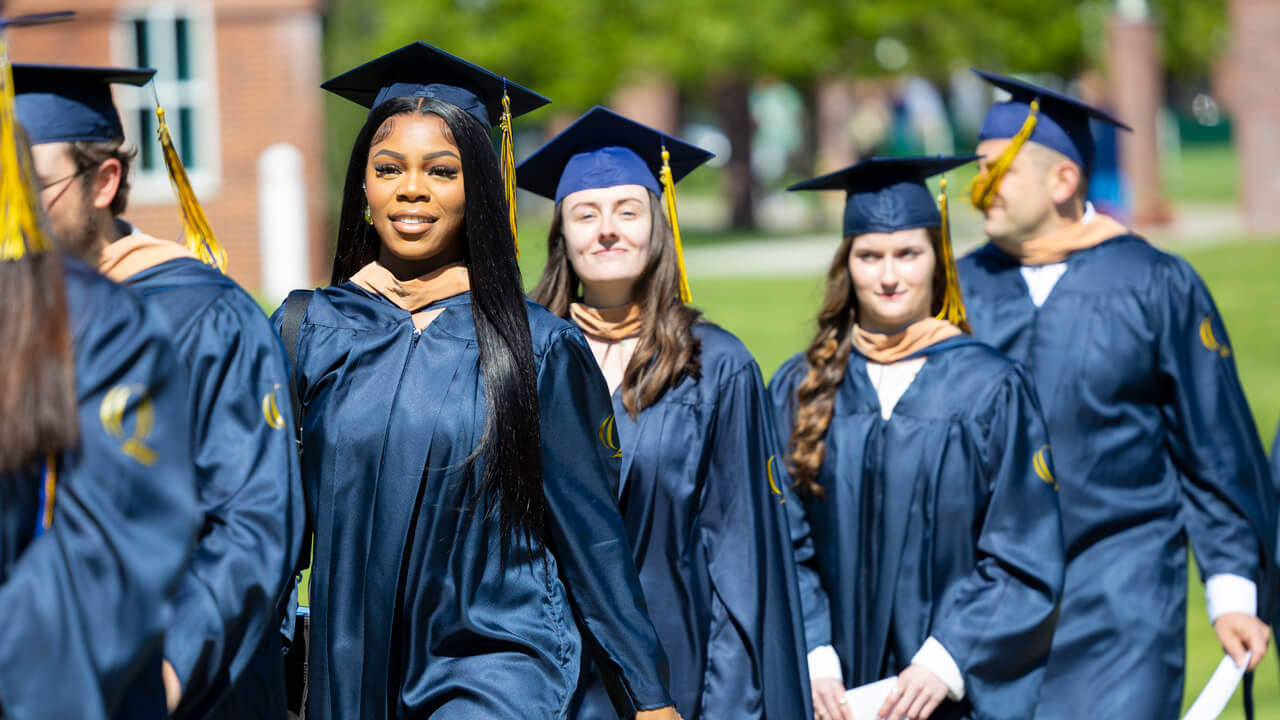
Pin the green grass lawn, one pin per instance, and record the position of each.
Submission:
(774, 317)
(1202, 174)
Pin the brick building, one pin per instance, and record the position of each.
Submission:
(239, 81)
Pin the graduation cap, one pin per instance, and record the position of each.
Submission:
(1040, 115)
(71, 103)
(604, 149)
(888, 194)
(421, 70)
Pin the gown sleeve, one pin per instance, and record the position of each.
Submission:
(1226, 484)
(997, 624)
(815, 606)
(585, 532)
(250, 493)
(88, 600)
(756, 652)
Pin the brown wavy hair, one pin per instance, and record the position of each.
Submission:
(828, 358)
(667, 348)
(37, 388)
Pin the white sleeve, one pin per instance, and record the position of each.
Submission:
(825, 664)
(935, 658)
(1227, 593)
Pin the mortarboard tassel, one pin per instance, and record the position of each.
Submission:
(47, 491)
(195, 225)
(20, 229)
(509, 167)
(983, 190)
(953, 299)
(669, 198)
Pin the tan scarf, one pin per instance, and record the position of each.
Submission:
(889, 349)
(612, 324)
(1059, 244)
(416, 293)
(134, 253)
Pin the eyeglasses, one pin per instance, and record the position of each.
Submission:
(64, 178)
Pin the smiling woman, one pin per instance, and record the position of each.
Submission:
(467, 544)
(414, 189)
(921, 462)
(692, 420)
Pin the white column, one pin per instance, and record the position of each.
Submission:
(282, 222)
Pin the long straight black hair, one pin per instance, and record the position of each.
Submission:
(511, 445)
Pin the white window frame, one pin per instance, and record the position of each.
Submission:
(200, 93)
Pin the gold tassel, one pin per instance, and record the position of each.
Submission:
(983, 190)
(509, 167)
(21, 232)
(50, 489)
(195, 225)
(953, 298)
(669, 198)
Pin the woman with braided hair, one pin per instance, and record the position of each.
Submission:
(921, 465)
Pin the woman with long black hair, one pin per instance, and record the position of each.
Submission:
(693, 423)
(467, 542)
(922, 466)
(97, 495)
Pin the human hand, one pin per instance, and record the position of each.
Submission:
(829, 702)
(666, 713)
(918, 694)
(1239, 634)
(172, 686)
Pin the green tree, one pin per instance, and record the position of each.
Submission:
(578, 52)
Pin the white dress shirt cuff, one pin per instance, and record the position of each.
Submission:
(935, 658)
(825, 664)
(1226, 593)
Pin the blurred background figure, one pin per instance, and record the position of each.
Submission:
(97, 494)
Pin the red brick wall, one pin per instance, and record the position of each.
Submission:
(268, 66)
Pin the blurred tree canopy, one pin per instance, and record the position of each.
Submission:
(578, 52)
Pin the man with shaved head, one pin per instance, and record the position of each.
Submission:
(1152, 440)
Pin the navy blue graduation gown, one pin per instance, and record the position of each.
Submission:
(413, 611)
(1153, 442)
(85, 604)
(1275, 479)
(941, 521)
(224, 642)
(711, 543)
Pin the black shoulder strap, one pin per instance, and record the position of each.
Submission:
(295, 308)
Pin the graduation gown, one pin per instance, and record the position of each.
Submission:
(1153, 442)
(413, 612)
(711, 543)
(934, 523)
(224, 642)
(85, 604)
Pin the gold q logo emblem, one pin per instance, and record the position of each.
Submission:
(608, 435)
(271, 410)
(773, 484)
(1041, 464)
(112, 414)
(1209, 341)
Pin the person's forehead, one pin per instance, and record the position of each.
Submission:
(414, 128)
(898, 238)
(50, 157)
(614, 193)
